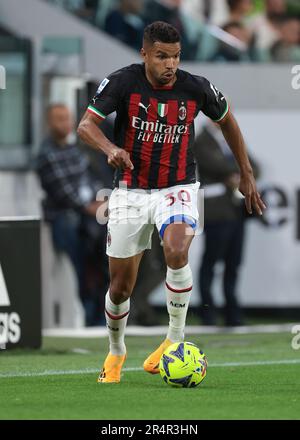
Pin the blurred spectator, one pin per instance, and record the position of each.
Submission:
(241, 51)
(239, 10)
(212, 11)
(287, 48)
(271, 38)
(224, 222)
(70, 208)
(198, 9)
(219, 12)
(170, 12)
(265, 25)
(87, 10)
(293, 8)
(126, 24)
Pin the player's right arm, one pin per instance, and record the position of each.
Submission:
(107, 99)
(90, 133)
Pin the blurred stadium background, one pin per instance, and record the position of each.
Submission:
(59, 50)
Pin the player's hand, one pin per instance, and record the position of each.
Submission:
(119, 158)
(252, 197)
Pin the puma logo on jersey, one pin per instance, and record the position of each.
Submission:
(144, 107)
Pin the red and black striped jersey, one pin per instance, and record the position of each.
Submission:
(156, 125)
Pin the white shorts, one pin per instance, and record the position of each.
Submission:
(133, 214)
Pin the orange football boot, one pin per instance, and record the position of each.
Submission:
(111, 371)
(151, 364)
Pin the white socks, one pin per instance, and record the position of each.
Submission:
(179, 283)
(116, 320)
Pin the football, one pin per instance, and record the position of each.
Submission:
(183, 365)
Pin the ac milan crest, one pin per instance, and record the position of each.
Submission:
(182, 113)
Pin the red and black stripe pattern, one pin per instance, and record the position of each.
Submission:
(159, 143)
(156, 124)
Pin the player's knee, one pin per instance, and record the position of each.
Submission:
(176, 256)
(119, 292)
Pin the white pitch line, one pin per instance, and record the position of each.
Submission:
(93, 370)
(134, 330)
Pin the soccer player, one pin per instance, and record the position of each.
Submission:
(156, 104)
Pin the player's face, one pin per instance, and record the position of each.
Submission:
(60, 122)
(161, 61)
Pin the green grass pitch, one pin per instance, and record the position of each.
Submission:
(253, 376)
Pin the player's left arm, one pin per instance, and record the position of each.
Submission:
(233, 135)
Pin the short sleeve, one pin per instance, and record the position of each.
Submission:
(215, 105)
(107, 97)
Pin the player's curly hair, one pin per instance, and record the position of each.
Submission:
(161, 31)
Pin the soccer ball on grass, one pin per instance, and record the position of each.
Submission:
(183, 365)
